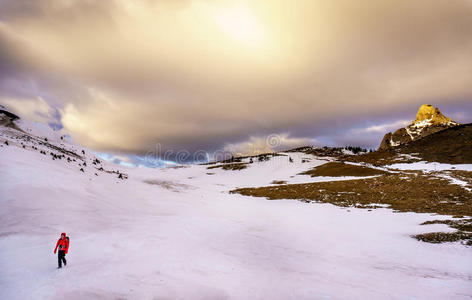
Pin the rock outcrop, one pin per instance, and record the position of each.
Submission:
(428, 121)
(8, 119)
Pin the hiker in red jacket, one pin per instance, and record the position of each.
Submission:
(63, 244)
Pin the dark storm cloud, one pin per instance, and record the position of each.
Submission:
(205, 75)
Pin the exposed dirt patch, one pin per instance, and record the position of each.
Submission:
(169, 185)
(444, 237)
(462, 225)
(233, 167)
(279, 182)
(402, 192)
(328, 151)
(462, 175)
(382, 158)
(336, 169)
(463, 232)
(413, 191)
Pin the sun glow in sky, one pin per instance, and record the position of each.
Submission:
(240, 25)
(122, 75)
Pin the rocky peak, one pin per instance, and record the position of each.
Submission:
(430, 115)
(7, 118)
(428, 120)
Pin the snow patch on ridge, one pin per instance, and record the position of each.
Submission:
(429, 166)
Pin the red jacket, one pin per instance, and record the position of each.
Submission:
(62, 243)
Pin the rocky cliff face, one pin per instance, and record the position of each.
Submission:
(7, 119)
(428, 120)
(431, 115)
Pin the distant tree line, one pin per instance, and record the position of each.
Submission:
(355, 149)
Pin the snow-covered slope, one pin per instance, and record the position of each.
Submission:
(177, 233)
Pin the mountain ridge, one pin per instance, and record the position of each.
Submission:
(428, 120)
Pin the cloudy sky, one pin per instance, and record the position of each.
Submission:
(123, 76)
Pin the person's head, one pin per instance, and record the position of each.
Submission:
(63, 235)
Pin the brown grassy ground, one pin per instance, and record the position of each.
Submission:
(336, 169)
(233, 167)
(443, 237)
(380, 158)
(453, 145)
(463, 233)
(402, 192)
(462, 175)
(406, 191)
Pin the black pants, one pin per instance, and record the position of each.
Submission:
(61, 257)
